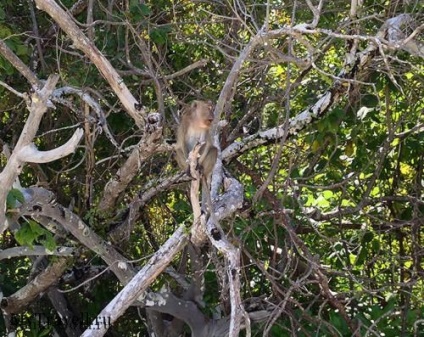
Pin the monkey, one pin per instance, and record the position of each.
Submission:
(194, 128)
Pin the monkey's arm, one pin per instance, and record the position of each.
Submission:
(181, 158)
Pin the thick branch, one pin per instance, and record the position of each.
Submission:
(327, 100)
(14, 166)
(31, 154)
(42, 204)
(25, 295)
(232, 255)
(187, 311)
(113, 189)
(84, 44)
(227, 204)
(138, 285)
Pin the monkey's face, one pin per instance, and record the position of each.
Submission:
(204, 114)
(203, 124)
(205, 121)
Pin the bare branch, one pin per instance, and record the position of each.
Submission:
(136, 71)
(102, 63)
(187, 311)
(31, 154)
(18, 64)
(324, 103)
(41, 203)
(17, 93)
(25, 295)
(232, 255)
(138, 285)
(143, 150)
(34, 251)
(14, 166)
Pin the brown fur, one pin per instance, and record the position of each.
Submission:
(195, 127)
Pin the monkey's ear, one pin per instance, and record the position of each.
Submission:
(185, 108)
(194, 104)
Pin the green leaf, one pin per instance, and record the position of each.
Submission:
(5, 32)
(160, 35)
(375, 244)
(362, 256)
(22, 50)
(36, 228)
(25, 236)
(13, 196)
(49, 243)
(31, 233)
(138, 11)
(45, 332)
(2, 14)
(368, 236)
(145, 10)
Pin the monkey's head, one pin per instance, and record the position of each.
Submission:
(202, 112)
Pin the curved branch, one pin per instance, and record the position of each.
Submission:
(37, 107)
(30, 154)
(351, 71)
(92, 103)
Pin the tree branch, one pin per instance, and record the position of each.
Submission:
(18, 64)
(187, 311)
(34, 251)
(41, 203)
(37, 107)
(85, 45)
(116, 185)
(31, 154)
(138, 285)
(25, 295)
